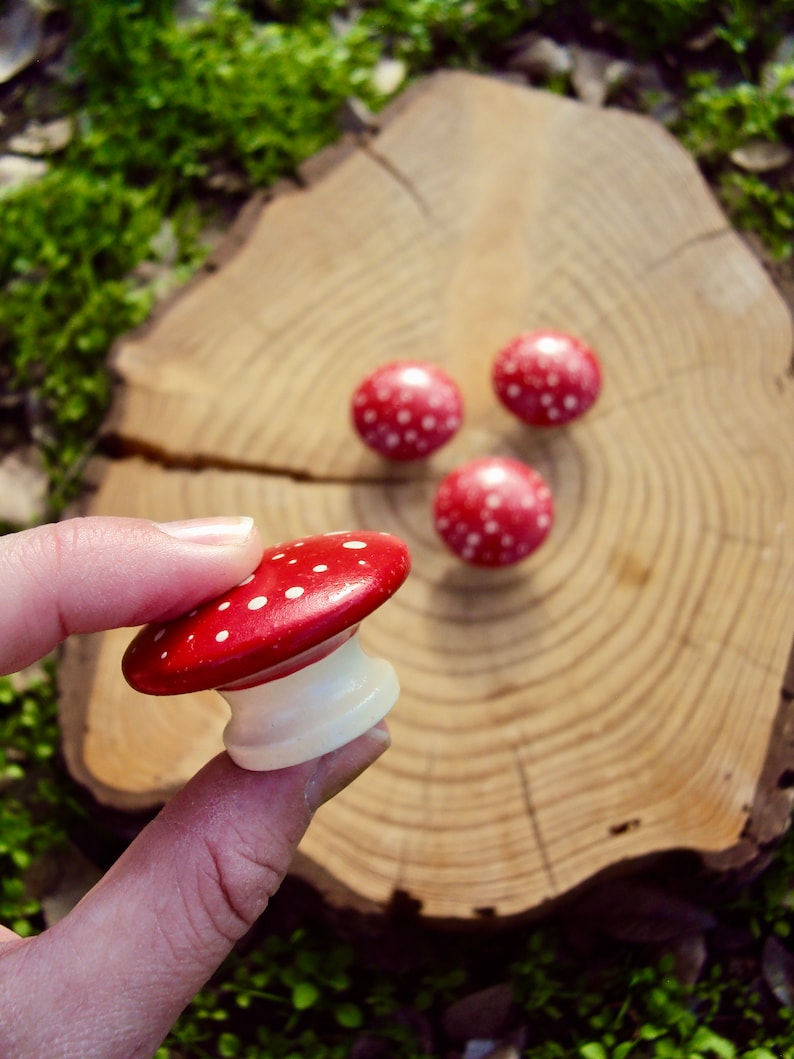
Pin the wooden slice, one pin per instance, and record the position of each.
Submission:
(615, 694)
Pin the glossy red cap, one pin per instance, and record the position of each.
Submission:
(302, 594)
(407, 409)
(547, 378)
(493, 511)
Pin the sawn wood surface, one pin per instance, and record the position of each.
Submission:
(611, 697)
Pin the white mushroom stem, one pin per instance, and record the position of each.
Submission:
(307, 713)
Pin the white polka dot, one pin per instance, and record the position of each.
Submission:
(159, 635)
(543, 521)
(299, 544)
(552, 378)
(404, 416)
(294, 593)
(247, 581)
(279, 556)
(428, 422)
(507, 540)
(491, 526)
(191, 637)
(411, 435)
(292, 562)
(224, 606)
(222, 635)
(257, 602)
(473, 538)
(193, 613)
(370, 415)
(320, 569)
(164, 654)
(493, 500)
(392, 441)
(546, 399)
(354, 544)
(362, 562)
(513, 390)
(570, 402)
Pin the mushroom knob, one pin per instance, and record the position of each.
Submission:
(283, 650)
(546, 378)
(407, 409)
(493, 511)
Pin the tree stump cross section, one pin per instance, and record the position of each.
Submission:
(615, 695)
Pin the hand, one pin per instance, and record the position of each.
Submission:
(109, 980)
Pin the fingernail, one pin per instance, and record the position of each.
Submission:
(338, 769)
(216, 531)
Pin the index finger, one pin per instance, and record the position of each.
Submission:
(89, 574)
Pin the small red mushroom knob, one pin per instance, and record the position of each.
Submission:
(282, 648)
(493, 511)
(407, 409)
(546, 378)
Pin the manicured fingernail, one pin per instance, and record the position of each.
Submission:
(216, 531)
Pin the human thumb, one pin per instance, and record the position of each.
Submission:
(119, 969)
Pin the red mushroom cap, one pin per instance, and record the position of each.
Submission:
(493, 511)
(547, 378)
(407, 409)
(303, 594)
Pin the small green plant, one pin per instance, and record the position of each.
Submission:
(757, 205)
(425, 32)
(718, 118)
(301, 995)
(658, 1017)
(749, 27)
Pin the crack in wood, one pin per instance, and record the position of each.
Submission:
(529, 805)
(688, 244)
(400, 178)
(117, 448)
(613, 308)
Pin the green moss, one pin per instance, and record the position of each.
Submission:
(166, 101)
(69, 244)
(36, 806)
